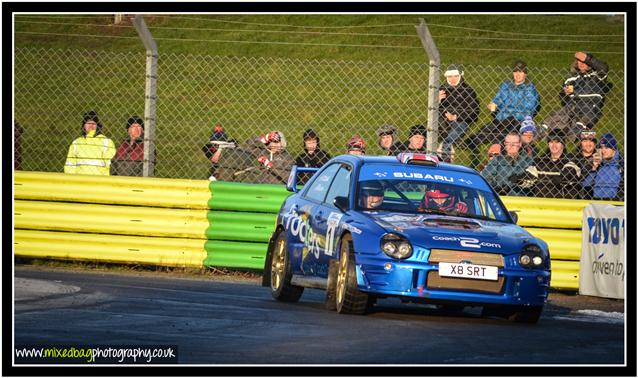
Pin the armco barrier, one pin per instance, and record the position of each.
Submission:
(175, 222)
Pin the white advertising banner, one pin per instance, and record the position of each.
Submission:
(602, 258)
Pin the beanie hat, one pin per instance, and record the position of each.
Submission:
(417, 130)
(386, 130)
(218, 134)
(356, 143)
(556, 134)
(519, 65)
(608, 141)
(453, 70)
(528, 125)
(588, 134)
(134, 119)
(91, 116)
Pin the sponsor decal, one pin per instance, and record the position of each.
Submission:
(467, 242)
(352, 228)
(426, 176)
(609, 232)
(380, 174)
(466, 181)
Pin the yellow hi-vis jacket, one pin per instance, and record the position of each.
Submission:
(90, 155)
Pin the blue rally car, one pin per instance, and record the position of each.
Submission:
(368, 227)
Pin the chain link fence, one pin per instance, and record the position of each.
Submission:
(237, 99)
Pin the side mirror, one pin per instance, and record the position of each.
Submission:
(341, 203)
(514, 216)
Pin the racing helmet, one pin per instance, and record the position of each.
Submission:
(430, 196)
(370, 188)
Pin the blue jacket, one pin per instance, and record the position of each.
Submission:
(516, 100)
(502, 171)
(606, 180)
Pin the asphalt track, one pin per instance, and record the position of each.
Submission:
(221, 321)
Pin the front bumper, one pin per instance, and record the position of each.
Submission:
(420, 281)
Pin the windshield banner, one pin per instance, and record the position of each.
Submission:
(422, 173)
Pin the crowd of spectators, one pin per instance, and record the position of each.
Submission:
(513, 166)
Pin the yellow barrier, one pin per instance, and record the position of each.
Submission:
(565, 275)
(118, 190)
(563, 244)
(108, 219)
(110, 248)
(550, 212)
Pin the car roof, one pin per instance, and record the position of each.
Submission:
(358, 160)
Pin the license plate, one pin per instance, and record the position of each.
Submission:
(479, 272)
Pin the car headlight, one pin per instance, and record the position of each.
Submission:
(396, 246)
(532, 256)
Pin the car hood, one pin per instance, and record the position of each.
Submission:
(449, 232)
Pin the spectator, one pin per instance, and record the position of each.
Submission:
(356, 145)
(587, 151)
(556, 173)
(214, 148)
(313, 156)
(605, 181)
(274, 161)
(387, 140)
(91, 153)
(504, 172)
(528, 132)
(492, 152)
(416, 140)
(582, 96)
(446, 156)
(129, 157)
(17, 146)
(458, 108)
(514, 100)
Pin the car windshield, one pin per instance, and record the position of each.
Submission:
(426, 197)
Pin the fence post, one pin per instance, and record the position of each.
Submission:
(150, 94)
(433, 84)
(118, 18)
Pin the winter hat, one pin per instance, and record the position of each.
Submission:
(134, 119)
(519, 65)
(91, 115)
(356, 143)
(608, 141)
(417, 130)
(386, 130)
(588, 134)
(453, 70)
(528, 125)
(218, 134)
(556, 134)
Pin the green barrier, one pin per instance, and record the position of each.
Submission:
(262, 198)
(235, 254)
(240, 226)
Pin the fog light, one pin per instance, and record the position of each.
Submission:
(525, 259)
(387, 266)
(537, 260)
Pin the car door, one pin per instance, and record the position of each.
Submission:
(306, 236)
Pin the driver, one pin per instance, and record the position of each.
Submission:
(371, 194)
(439, 199)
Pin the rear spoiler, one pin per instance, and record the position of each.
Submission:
(291, 185)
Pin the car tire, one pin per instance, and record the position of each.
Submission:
(280, 273)
(527, 315)
(331, 289)
(349, 300)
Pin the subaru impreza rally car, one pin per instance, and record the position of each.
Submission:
(368, 227)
